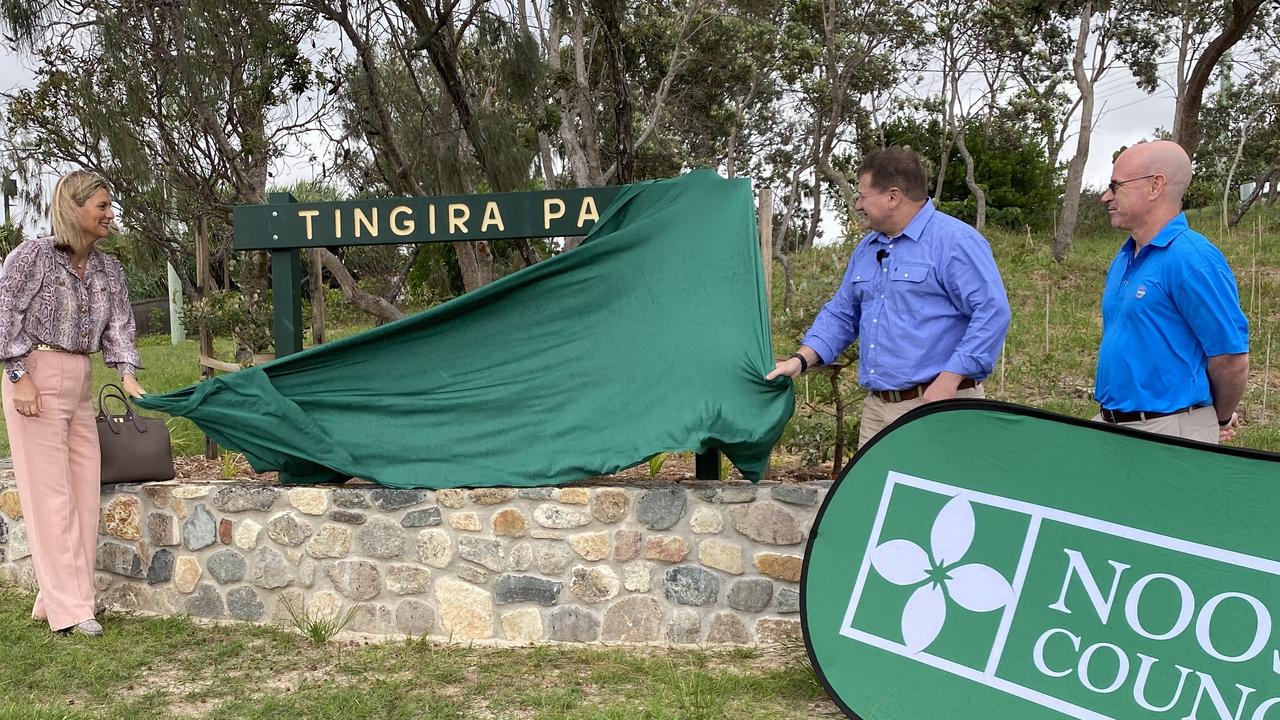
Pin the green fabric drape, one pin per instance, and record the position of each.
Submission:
(653, 335)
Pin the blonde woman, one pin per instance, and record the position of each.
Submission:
(60, 301)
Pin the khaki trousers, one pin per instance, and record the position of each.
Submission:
(878, 414)
(56, 464)
(1199, 424)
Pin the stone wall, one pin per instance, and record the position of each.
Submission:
(673, 564)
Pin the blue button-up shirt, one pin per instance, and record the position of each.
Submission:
(1165, 312)
(928, 300)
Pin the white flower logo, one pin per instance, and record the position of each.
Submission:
(974, 587)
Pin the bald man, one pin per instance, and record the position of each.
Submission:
(1174, 357)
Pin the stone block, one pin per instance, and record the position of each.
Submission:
(523, 626)
(572, 624)
(689, 585)
(356, 579)
(288, 529)
(767, 523)
(553, 516)
(595, 584)
(509, 522)
(310, 501)
(750, 594)
(661, 508)
(435, 548)
(381, 538)
(634, 619)
(424, 517)
(199, 530)
(782, 567)
(466, 611)
(239, 498)
(122, 517)
(721, 555)
(510, 589)
(243, 603)
(590, 546)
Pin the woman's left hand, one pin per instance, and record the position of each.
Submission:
(131, 386)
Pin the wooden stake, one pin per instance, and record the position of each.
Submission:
(1046, 323)
(1266, 380)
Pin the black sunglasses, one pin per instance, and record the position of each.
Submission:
(1115, 184)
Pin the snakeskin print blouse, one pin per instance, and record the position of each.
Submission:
(43, 301)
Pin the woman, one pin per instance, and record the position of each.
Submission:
(60, 300)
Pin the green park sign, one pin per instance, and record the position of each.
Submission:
(445, 218)
(982, 560)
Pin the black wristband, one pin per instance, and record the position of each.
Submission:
(1224, 423)
(804, 364)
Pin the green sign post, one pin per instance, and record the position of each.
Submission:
(284, 225)
(981, 560)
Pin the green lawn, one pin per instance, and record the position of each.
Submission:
(162, 668)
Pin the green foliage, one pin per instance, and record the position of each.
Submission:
(1011, 165)
(228, 312)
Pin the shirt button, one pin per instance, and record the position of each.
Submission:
(874, 320)
(1126, 282)
(905, 275)
(873, 372)
(885, 270)
(873, 345)
(859, 277)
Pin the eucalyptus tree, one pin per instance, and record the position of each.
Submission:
(153, 97)
(1203, 33)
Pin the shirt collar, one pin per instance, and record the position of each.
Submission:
(1171, 230)
(915, 228)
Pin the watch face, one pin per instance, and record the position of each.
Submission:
(15, 376)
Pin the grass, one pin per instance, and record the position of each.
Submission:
(145, 667)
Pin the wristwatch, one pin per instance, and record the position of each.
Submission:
(15, 375)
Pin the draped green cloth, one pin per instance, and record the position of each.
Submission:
(651, 336)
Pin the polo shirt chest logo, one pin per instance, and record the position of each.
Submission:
(1142, 291)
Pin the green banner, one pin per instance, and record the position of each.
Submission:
(984, 560)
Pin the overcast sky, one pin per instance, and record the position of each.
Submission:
(1126, 115)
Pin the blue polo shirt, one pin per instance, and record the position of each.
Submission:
(1165, 312)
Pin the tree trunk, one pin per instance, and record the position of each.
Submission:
(1258, 185)
(610, 14)
(1062, 237)
(979, 196)
(1186, 127)
(354, 294)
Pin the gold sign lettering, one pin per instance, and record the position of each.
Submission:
(548, 214)
(337, 223)
(363, 220)
(431, 219)
(588, 211)
(458, 214)
(307, 215)
(492, 217)
(400, 229)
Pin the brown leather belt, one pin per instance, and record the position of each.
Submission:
(1128, 416)
(911, 393)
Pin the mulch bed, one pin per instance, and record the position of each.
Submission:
(676, 469)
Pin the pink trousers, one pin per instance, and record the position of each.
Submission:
(56, 463)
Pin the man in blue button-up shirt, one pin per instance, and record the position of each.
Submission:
(1174, 357)
(921, 291)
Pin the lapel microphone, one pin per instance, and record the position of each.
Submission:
(881, 254)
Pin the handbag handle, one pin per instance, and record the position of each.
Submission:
(129, 414)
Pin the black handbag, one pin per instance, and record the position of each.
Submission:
(134, 448)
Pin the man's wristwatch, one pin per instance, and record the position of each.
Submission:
(15, 375)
